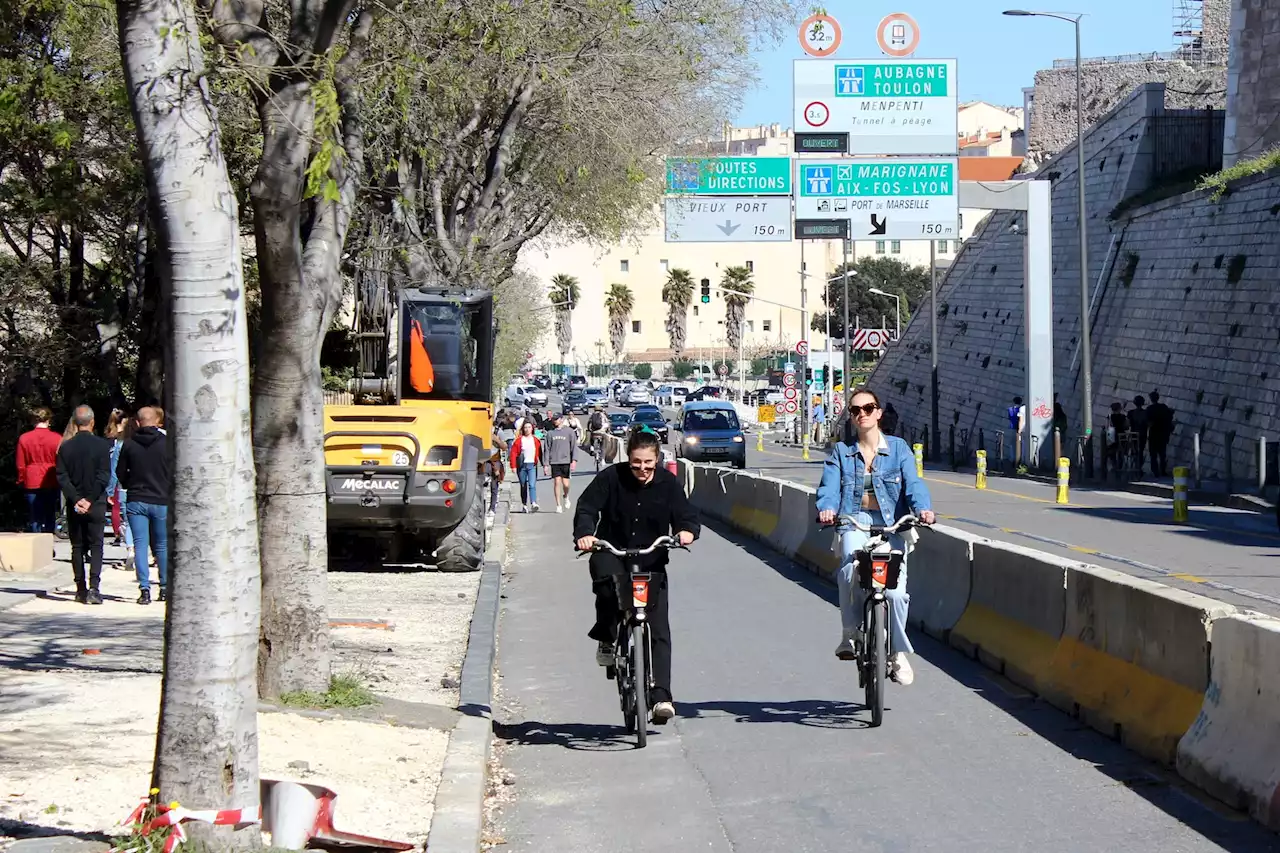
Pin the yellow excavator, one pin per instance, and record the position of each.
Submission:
(404, 458)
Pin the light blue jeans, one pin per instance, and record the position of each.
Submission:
(852, 597)
(126, 529)
(528, 483)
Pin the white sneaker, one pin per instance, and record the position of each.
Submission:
(604, 654)
(559, 509)
(524, 508)
(663, 711)
(900, 670)
(534, 507)
(566, 503)
(846, 650)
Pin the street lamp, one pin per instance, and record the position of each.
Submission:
(1086, 362)
(897, 307)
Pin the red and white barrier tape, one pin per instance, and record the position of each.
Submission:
(175, 817)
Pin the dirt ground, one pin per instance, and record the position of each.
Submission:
(77, 730)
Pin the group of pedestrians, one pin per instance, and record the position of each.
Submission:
(556, 456)
(124, 472)
(1131, 433)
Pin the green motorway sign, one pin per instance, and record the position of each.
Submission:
(729, 175)
(893, 80)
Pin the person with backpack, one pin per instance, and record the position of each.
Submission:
(596, 426)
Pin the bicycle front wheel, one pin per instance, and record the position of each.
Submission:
(877, 659)
(640, 685)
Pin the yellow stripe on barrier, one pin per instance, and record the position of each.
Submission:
(753, 520)
(1152, 712)
(1026, 653)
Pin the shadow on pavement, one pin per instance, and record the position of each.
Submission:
(1163, 516)
(819, 713)
(1158, 785)
(22, 829)
(44, 641)
(583, 737)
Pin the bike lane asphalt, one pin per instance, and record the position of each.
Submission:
(770, 749)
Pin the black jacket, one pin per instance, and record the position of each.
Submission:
(143, 467)
(84, 468)
(616, 508)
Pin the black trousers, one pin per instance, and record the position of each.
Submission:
(86, 532)
(604, 569)
(1159, 462)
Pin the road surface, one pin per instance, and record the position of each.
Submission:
(770, 752)
(1227, 554)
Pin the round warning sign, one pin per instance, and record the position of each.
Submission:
(898, 35)
(789, 380)
(816, 114)
(791, 407)
(802, 347)
(820, 35)
(790, 393)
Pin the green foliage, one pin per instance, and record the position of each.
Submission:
(738, 285)
(888, 274)
(618, 303)
(521, 316)
(346, 690)
(1217, 184)
(761, 366)
(643, 370)
(681, 368)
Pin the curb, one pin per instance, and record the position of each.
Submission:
(457, 822)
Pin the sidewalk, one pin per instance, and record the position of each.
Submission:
(80, 688)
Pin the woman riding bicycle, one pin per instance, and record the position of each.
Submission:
(630, 505)
(872, 478)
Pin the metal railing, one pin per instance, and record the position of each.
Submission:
(1190, 55)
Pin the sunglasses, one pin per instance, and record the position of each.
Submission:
(868, 409)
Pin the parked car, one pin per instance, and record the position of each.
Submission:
(670, 395)
(596, 395)
(577, 383)
(652, 419)
(619, 423)
(709, 431)
(535, 396)
(706, 392)
(636, 395)
(542, 380)
(515, 395)
(575, 402)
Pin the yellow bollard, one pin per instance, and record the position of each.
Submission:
(919, 449)
(760, 441)
(1180, 494)
(982, 469)
(804, 453)
(1064, 479)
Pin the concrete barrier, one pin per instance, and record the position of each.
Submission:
(1013, 621)
(1133, 661)
(790, 532)
(25, 552)
(756, 505)
(939, 576)
(1232, 750)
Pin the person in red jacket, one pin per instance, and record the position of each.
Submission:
(37, 471)
(526, 456)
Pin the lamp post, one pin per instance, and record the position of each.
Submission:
(1086, 348)
(897, 308)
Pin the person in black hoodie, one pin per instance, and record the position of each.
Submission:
(143, 471)
(84, 468)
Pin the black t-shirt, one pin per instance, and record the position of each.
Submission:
(626, 514)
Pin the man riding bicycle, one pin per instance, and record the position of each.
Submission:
(630, 505)
(872, 477)
(596, 426)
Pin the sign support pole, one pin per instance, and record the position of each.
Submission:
(844, 394)
(936, 443)
(804, 334)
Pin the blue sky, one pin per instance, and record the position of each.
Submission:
(997, 55)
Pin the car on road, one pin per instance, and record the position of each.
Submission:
(596, 395)
(636, 395)
(535, 396)
(670, 395)
(577, 383)
(706, 392)
(652, 419)
(709, 431)
(575, 402)
(542, 380)
(515, 395)
(619, 424)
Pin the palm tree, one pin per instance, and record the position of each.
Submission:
(565, 293)
(735, 304)
(619, 302)
(678, 293)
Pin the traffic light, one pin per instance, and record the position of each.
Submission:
(839, 376)
(808, 377)
(706, 291)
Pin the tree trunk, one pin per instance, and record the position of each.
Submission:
(207, 742)
(288, 409)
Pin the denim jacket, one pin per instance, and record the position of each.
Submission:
(893, 477)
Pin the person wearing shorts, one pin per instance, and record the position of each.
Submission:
(561, 444)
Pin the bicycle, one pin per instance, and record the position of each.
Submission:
(878, 570)
(632, 648)
(597, 448)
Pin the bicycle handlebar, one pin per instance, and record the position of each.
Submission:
(668, 542)
(907, 522)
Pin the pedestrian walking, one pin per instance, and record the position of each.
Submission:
(120, 428)
(84, 469)
(1159, 431)
(1139, 424)
(562, 443)
(143, 471)
(496, 469)
(525, 457)
(37, 458)
(1117, 426)
(819, 418)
